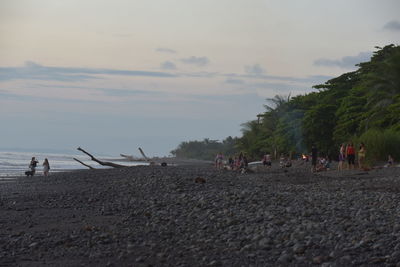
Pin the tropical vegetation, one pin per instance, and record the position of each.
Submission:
(358, 106)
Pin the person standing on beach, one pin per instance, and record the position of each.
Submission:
(342, 157)
(32, 165)
(231, 162)
(361, 156)
(46, 167)
(219, 161)
(239, 161)
(314, 157)
(351, 155)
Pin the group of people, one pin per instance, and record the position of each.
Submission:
(33, 164)
(347, 159)
(285, 162)
(237, 163)
(347, 154)
(266, 160)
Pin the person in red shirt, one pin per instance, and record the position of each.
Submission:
(351, 155)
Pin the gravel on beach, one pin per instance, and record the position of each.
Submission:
(200, 216)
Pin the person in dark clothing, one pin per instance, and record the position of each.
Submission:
(351, 155)
(314, 157)
(231, 163)
(33, 165)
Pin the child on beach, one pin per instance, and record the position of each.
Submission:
(282, 161)
(390, 161)
(46, 167)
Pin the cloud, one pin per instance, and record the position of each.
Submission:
(313, 79)
(198, 61)
(278, 87)
(234, 81)
(347, 62)
(256, 69)
(166, 50)
(128, 93)
(34, 71)
(392, 25)
(202, 74)
(168, 65)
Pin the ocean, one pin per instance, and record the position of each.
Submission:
(16, 163)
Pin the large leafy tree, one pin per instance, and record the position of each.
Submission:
(355, 106)
(343, 109)
(382, 89)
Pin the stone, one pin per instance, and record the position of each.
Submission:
(299, 249)
(200, 180)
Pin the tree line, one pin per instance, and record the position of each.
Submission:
(359, 106)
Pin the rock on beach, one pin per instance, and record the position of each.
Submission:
(166, 216)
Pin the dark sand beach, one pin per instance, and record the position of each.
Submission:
(159, 216)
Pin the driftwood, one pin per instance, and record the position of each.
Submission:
(152, 161)
(144, 156)
(128, 157)
(132, 158)
(148, 160)
(104, 163)
(90, 167)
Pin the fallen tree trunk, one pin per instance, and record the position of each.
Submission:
(104, 163)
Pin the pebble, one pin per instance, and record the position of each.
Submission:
(161, 216)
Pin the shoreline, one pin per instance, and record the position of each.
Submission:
(157, 215)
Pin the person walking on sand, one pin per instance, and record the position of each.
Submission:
(46, 167)
(314, 158)
(342, 157)
(32, 165)
(361, 156)
(351, 155)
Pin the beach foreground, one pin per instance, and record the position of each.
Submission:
(159, 216)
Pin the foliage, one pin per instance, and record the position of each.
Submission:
(381, 143)
(363, 105)
(206, 149)
(353, 106)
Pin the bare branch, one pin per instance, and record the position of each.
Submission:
(104, 163)
(90, 167)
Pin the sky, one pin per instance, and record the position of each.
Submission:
(112, 76)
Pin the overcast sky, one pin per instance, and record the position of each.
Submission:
(114, 75)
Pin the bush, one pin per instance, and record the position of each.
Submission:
(380, 144)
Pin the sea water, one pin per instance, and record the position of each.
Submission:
(16, 163)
